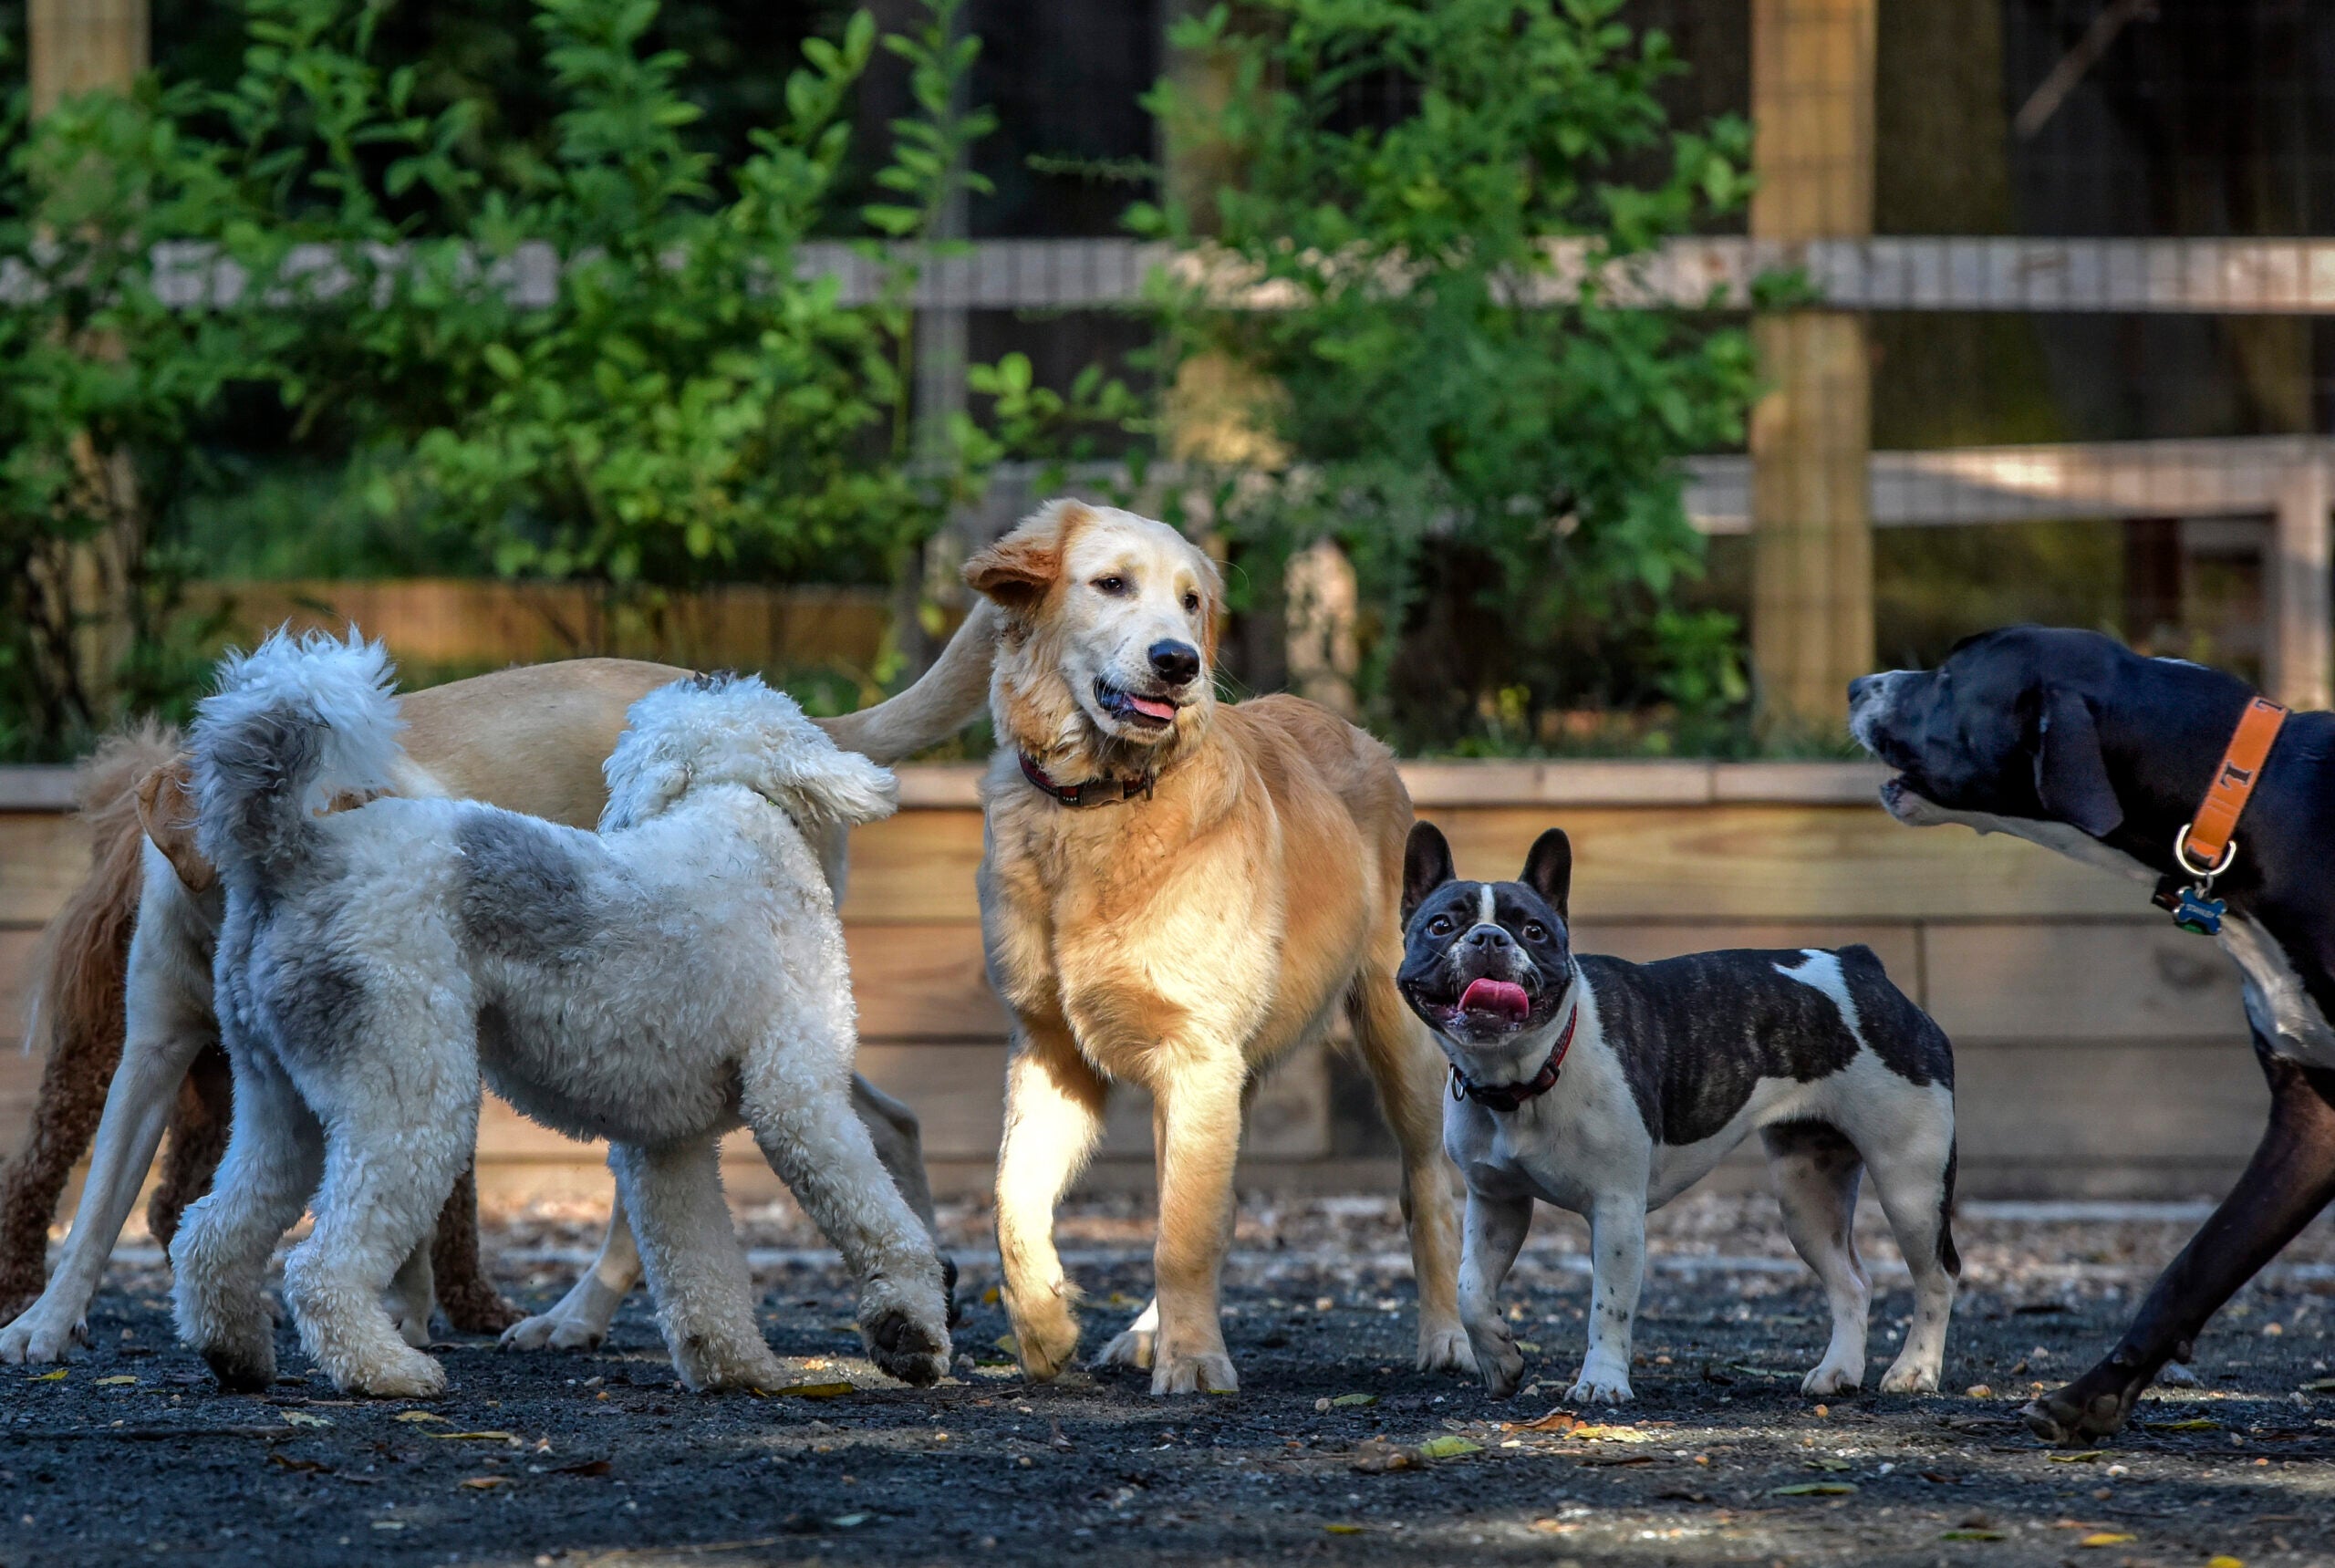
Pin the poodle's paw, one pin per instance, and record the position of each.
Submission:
(707, 1366)
(41, 1336)
(1045, 1331)
(1903, 1377)
(557, 1329)
(907, 1334)
(1444, 1346)
(1137, 1344)
(412, 1321)
(1209, 1372)
(1829, 1376)
(1497, 1357)
(1601, 1383)
(403, 1374)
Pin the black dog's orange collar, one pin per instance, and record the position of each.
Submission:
(1507, 1096)
(2206, 847)
(1094, 792)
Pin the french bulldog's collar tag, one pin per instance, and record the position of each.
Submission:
(2204, 848)
(1507, 1096)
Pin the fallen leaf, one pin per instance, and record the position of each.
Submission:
(1972, 1535)
(1815, 1488)
(305, 1467)
(1832, 1464)
(415, 1418)
(1342, 1530)
(2079, 1456)
(2193, 1424)
(849, 1520)
(815, 1391)
(2228, 1562)
(1554, 1421)
(484, 1483)
(991, 1296)
(1978, 1391)
(388, 1524)
(1448, 1447)
(2317, 1386)
(2106, 1538)
(1008, 1343)
(589, 1467)
(1352, 1401)
(471, 1437)
(114, 1382)
(1527, 1348)
(56, 1377)
(302, 1418)
(1598, 1434)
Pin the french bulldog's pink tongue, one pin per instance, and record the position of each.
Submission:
(1151, 707)
(1490, 995)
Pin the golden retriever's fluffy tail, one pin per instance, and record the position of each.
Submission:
(80, 969)
(944, 700)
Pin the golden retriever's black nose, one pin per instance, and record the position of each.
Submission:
(1175, 662)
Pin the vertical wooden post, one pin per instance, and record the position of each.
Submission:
(2300, 654)
(78, 44)
(77, 47)
(1811, 612)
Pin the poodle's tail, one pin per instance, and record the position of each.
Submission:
(296, 725)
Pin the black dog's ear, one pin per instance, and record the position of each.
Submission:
(1548, 870)
(2071, 778)
(1426, 865)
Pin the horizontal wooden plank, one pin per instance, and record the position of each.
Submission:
(42, 859)
(1782, 863)
(2075, 1104)
(922, 983)
(2141, 979)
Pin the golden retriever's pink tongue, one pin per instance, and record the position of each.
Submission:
(1489, 995)
(1151, 707)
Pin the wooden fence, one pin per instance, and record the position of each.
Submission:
(463, 624)
(2103, 1053)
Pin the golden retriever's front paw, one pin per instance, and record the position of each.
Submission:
(1045, 1334)
(1444, 1348)
(1207, 1372)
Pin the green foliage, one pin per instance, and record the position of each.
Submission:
(592, 358)
(1460, 403)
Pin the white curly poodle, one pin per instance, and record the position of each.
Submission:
(653, 984)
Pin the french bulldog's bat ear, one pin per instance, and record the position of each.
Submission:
(1548, 870)
(1426, 865)
(2071, 777)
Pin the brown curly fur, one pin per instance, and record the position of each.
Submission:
(81, 971)
(77, 1006)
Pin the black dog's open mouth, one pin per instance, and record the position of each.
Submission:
(1133, 708)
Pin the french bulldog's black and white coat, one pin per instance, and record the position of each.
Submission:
(1665, 1068)
(2077, 743)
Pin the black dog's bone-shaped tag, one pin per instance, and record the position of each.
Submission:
(2193, 909)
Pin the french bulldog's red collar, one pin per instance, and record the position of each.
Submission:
(1507, 1096)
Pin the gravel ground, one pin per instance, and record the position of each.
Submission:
(131, 1456)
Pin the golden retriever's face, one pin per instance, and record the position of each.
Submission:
(1110, 628)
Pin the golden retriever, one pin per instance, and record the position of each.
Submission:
(1177, 894)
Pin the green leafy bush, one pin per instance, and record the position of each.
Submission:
(1454, 399)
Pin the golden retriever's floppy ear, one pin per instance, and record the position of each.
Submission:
(166, 811)
(1018, 570)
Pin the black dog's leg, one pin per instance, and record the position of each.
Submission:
(2290, 1178)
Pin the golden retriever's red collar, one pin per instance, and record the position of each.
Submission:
(1507, 1096)
(1094, 792)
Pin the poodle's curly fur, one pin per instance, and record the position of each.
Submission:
(653, 984)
